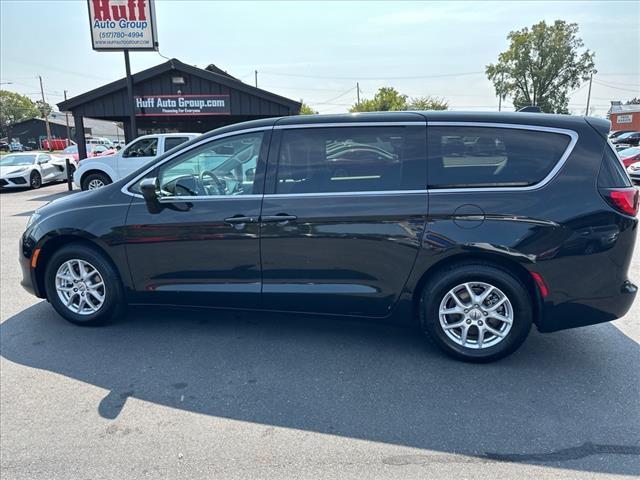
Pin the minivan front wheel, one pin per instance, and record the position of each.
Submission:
(83, 286)
(476, 312)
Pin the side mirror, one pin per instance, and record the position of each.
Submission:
(250, 174)
(149, 189)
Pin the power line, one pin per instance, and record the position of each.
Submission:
(410, 77)
(339, 96)
(635, 90)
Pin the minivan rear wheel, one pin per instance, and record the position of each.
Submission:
(476, 312)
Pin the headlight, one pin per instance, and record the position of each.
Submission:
(33, 219)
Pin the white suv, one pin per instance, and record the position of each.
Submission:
(97, 172)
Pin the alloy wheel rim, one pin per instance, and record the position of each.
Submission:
(35, 181)
(93, 184)
(476, 315)
(80, 287)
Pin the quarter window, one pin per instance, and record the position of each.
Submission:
(171, 142)
(490, 157)
(351, 159)
(221, 167)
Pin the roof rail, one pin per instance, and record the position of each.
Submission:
(531, 109)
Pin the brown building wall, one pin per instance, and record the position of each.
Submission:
(634, 124)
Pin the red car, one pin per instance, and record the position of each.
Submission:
(92, 151)
(629, 155)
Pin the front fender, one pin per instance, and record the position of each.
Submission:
(90, 166)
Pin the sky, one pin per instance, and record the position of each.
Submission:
(317, 51)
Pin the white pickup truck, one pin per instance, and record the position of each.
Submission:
(97, 172)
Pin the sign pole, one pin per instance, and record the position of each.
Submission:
(133, 130)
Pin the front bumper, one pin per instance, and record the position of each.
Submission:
(17, 181)
(25, 252)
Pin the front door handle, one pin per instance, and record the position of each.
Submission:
(281, 218)
(237, 219)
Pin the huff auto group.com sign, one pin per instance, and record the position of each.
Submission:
(123, 24)
(178, 105)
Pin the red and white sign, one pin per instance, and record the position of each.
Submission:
(123, 24)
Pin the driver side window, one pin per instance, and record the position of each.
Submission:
(147, 147)
(226, 166)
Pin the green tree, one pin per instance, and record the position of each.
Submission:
(542, 65)
(385, 99)
(44, 108)
(427, 103)
(15, 108)
(306, 109)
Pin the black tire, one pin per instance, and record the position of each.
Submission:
(445, 280)
(35, 181)
(114, 304)
(95, 177)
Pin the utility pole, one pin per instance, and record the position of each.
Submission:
(589, 95)
(500, 92)
(358, 92)
(45, 115)
(133, 129)
(255, 72)
(66, 119)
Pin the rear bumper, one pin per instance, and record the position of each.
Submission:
(587, 311)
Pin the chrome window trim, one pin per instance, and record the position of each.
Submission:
(125, 188)
(514, 126)
(368, 193)
(351, 124)
(550, 176)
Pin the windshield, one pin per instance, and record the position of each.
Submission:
(71, 149)
(629, 152)
(625, 135)
(15, 160)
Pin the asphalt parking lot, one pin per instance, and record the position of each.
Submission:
(184, 394)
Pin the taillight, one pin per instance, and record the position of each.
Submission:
(624, 200)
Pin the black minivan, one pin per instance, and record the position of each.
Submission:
(472, 226)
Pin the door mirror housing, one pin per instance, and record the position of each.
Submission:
(149, 190)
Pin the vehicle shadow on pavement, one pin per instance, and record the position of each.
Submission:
(560, 400)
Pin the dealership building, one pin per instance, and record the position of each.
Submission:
(624, 117)
(33, 132)
(176, 97)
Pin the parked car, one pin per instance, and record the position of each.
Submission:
(617, 133)
(95, 150)
(634, 172)
(250, 216)
(97, 172)
(629, 155)
(4, 146)
(100, 141)
(629, 139)
(15, 147)
(20, 170)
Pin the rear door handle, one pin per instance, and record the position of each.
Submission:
(236, 219)
(281, 218)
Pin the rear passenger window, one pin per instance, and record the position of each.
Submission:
(351, 159)
(490, 157)
(170, 142)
